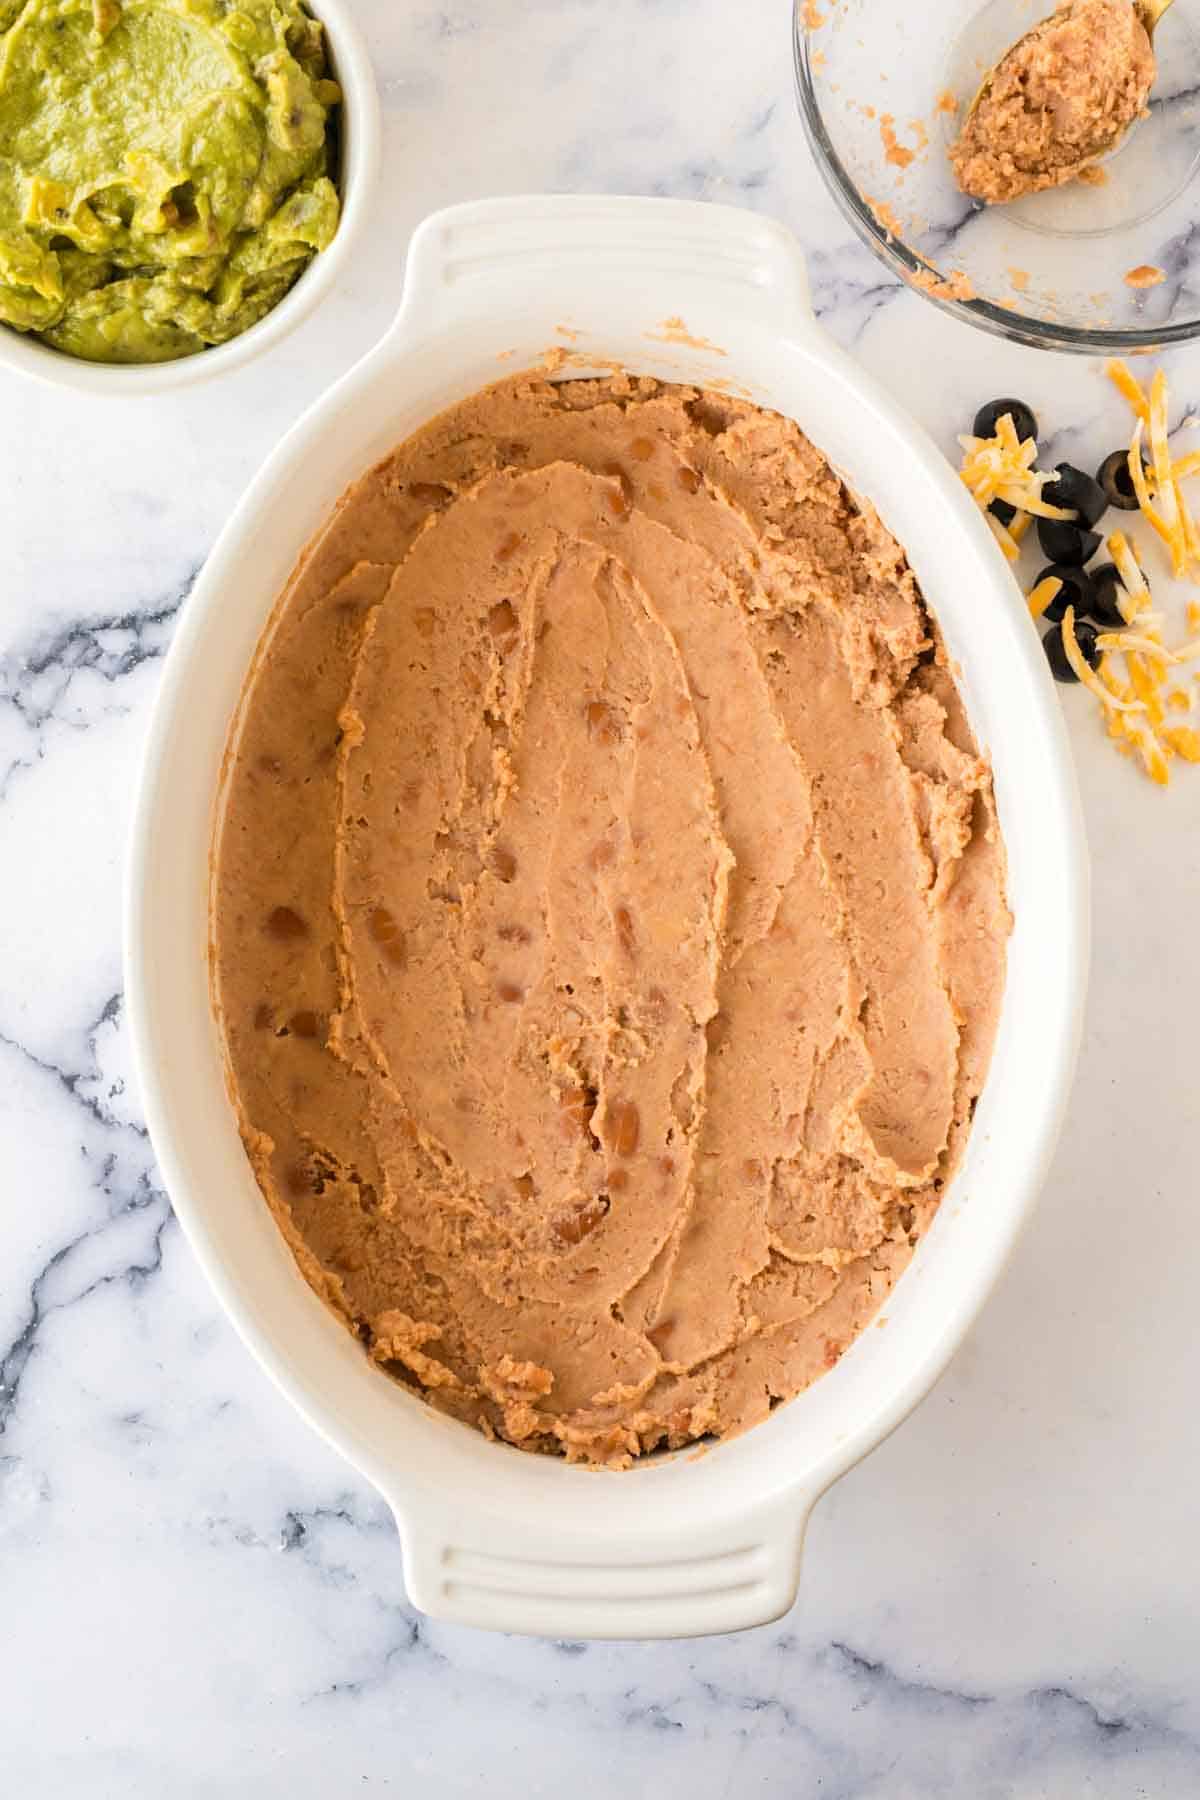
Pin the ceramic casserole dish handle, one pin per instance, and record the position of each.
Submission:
(484, 258)
(463, 1564)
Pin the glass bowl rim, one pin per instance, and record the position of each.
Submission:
(914, 270)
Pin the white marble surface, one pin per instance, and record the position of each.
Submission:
(198, 1598)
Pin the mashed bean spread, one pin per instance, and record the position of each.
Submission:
(609, 922)
(1062, 96)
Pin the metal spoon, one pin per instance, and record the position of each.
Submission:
(1150, 12)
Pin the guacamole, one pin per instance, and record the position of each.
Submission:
(165, 169)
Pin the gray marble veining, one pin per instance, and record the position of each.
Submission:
(200, 1599)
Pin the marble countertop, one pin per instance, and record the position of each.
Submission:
(199, 1598)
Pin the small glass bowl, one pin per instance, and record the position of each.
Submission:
(1107, 266)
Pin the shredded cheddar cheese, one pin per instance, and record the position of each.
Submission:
(1121, 690)
(1154, 757)
(1191, 537)
(1137, 594)
(1003, 537)
(1164, 480)
(1159, 498)
(1127, 384)
(1184, 740)
(1002, 468)
(1086, 674)
(1145, 686)
(1039, 597)
(1152, 669)
(1133, 640)
(1141, 682)
(1141, 487)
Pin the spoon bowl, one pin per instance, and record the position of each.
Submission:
(1149, 12)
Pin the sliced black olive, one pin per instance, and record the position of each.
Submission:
(1000, 509)
(1024, 421)
(1056, 650)
(1107, 592)
(1077, 491)
(1067, 543)
(1114, 478)
(1076, 591)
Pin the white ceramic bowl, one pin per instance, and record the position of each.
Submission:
(359, 135)
(493, 1537)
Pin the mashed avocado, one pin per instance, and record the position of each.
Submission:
(164, 169)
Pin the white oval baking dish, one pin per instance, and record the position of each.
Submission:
(359, 150)
(493, 1537)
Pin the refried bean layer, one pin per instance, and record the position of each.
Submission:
(608, 916)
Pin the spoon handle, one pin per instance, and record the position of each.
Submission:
(1152, 11)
